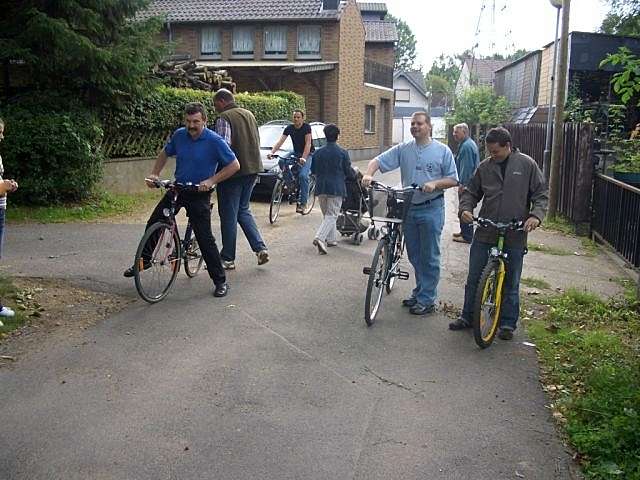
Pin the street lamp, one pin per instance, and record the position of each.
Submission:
(546, 163)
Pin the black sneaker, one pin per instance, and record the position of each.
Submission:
(409, 302)
(505, 334)
(221, 290)
(459, 324)
(128, 273)
(419, 309)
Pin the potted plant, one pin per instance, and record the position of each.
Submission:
(627, 168)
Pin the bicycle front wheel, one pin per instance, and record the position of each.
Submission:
(394, 261)
(486, 311)
(157, 262)
(311, 199)
(192, 257)
(378, 276)
(276, 201)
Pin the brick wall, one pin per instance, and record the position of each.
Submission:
(351, 78)
(381, 138)
(380, 52)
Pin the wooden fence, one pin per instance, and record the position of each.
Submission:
(576, 163)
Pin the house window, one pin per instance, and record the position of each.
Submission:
(402, 95)
(309, 41)
(369, 119)
(243, 42)
(275, 41)
(210, 42)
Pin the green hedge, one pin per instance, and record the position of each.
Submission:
(141, 127)
(52, 151)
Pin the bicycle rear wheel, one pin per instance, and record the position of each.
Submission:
(157, 262)
(276, 201)
(192, 256)
(486, 310)
(311, 199)
(378, 275)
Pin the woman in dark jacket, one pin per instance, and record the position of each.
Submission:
(331, 166)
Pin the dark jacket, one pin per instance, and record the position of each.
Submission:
(522, 193)
(245, 139)
(332, 166)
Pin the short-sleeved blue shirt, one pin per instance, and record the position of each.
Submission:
(199, 159)
(420, 164)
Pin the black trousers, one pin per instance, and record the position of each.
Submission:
(198, 209)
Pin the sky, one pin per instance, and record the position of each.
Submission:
(449, 27)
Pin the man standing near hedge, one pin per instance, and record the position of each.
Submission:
(202, 158)
(240, 130)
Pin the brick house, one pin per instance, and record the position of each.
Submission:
(321, 49)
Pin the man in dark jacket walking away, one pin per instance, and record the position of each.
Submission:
(331, 166)
(511, 186)
(240, 130)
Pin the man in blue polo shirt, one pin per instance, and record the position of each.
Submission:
(200, 153)
(430, 164)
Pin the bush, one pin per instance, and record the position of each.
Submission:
(140, 128)
(53, 153)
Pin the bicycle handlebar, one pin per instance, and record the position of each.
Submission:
(382, 186)
(169, 184)
(517, 225)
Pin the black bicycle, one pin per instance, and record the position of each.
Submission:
(287, 187)
(161, 250)
(388, 206)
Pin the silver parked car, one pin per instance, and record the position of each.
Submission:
(270, 133)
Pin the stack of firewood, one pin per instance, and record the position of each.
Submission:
(186, 74)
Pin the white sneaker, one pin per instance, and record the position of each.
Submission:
(322, 248)
(228, 265)
(7, 312)
(332, 244)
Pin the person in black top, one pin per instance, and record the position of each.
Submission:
(300, 133)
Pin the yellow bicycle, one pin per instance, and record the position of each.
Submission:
(488, 301)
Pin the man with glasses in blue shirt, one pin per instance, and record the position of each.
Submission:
(429, 164)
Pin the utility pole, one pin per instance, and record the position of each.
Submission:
(561, 98)
(546, 161)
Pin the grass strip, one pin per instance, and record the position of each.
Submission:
(589, 351)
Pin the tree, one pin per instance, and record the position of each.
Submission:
(93, 50)
(406, 48)
(623, 18)
(440, 88)
(480, 105)
(626, 83)
(446, 67)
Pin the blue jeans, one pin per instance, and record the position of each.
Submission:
(303, 178)
(233, 208)
(3, 211)
(422, 230)
(478, 257)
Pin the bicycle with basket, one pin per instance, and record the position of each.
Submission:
(388, 208)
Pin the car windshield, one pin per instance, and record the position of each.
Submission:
(270, 134)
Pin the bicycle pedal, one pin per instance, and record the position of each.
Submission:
(403, 275)
(366, 270)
